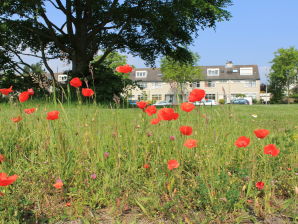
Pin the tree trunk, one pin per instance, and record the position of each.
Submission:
(80, 65)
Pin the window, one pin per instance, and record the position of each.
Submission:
(159, 74)
(142, 97)
(195, 84)
(62, 78)
(213, 72)
(246, 71)
(235, 70)
(156, 97)
(131, 97)
(250, 84)
(210, 96)
(156, 85)
(141, 74)
(143, 85)
(223, 81)
(211, 84)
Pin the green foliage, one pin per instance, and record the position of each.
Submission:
(222, 101)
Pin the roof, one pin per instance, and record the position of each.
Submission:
(153, 74)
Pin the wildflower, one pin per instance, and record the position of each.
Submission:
(172, 138)
(31, 92)
(67, 204)
(2, 158)
(187, 107)
(58, 184)
(16, 119)
(254, 115)
(24, 96)
(190, 143)
(173, 164)
(87, 92)
(149, 134)
(124, 69)
(6, 180)
(242, 142)
(196, 95)
(271, 149)
(261, 133)
(167, 114)
(6, 91)
(141, 104)
(155, 121)
(30, 111)
(93, 176)
(76, 82)
(53, 115)
(150, 110)
(146, 166)
(106, 154)
(260, 185)
(186, 130)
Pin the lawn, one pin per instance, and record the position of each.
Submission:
(99, 155)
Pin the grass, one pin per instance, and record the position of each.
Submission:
(215, 182)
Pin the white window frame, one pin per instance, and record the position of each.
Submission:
(250, 83)
(156, 85)
(62, 78)
(196, 84)
(244, 71)
(212, 84)
(213, 72)
(144, 85)
(158, 96)
(144, 74)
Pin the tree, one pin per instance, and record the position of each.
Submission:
(180, 72)
(284, 72)
(142, 27)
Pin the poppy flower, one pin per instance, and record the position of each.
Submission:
(2, 158)
(87, 92)
(173, 164)
(271, 149)
(141, 104)
(242, 142)
(30, 111)
(186, 130)
(172, 138)
(67, 204)
(124, 69)
(187, 107)
(16, 119)
(196, 95)
(146, 166)
(24, 96)
(191, 143)
(31, 92)
(167, 114)
(53, 115)
(6, 180)
(106, 154)
(150, 110)
(261, 133)
(58, 184)
(260, 185)
(76, 82)
(93, 176)
(155, 121)
(6, 91)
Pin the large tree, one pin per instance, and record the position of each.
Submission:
(146, 28)
(284, 72)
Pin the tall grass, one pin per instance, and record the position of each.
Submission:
(214, 183)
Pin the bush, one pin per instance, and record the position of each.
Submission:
(221, 101)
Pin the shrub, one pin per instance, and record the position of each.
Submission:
(221, 101)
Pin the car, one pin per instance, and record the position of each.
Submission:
(240, 101)
(206, 103)
(162, 103)
(132, 102)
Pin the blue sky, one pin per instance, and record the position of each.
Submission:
(255, 31)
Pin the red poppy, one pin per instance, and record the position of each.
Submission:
(2, 158)
(271, 149)
(260, 185)
(187, 107)
(124, 69)
(141, 104)
(155, 121)
(261, 133)
(173, 164)
(67, 204)
(242, 142)
(150, 110)
(87, 92)
(191, 143)
(186, 130)
(53, 115)
(6, 91)
(24, 96)
(6, 180)
(76, 82)
(31, 92)
(146, 166)
(16, 119)
(196, 95)
(58, 184)
(30, 111)
(167, 114)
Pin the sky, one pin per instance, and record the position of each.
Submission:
(256, 30)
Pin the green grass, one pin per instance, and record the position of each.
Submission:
(215, 182)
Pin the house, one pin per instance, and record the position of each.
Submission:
(220, 82)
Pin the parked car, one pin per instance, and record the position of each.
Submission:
(132, 102)
(206, 103)
(240, 101)
(162, 103)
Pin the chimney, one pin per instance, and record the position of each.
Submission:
(229, 64)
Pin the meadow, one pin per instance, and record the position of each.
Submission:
(99, 153)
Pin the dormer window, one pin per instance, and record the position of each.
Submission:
(246, 71)
(213, 72)
(141, 74)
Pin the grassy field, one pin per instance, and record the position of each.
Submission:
(99, 156)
